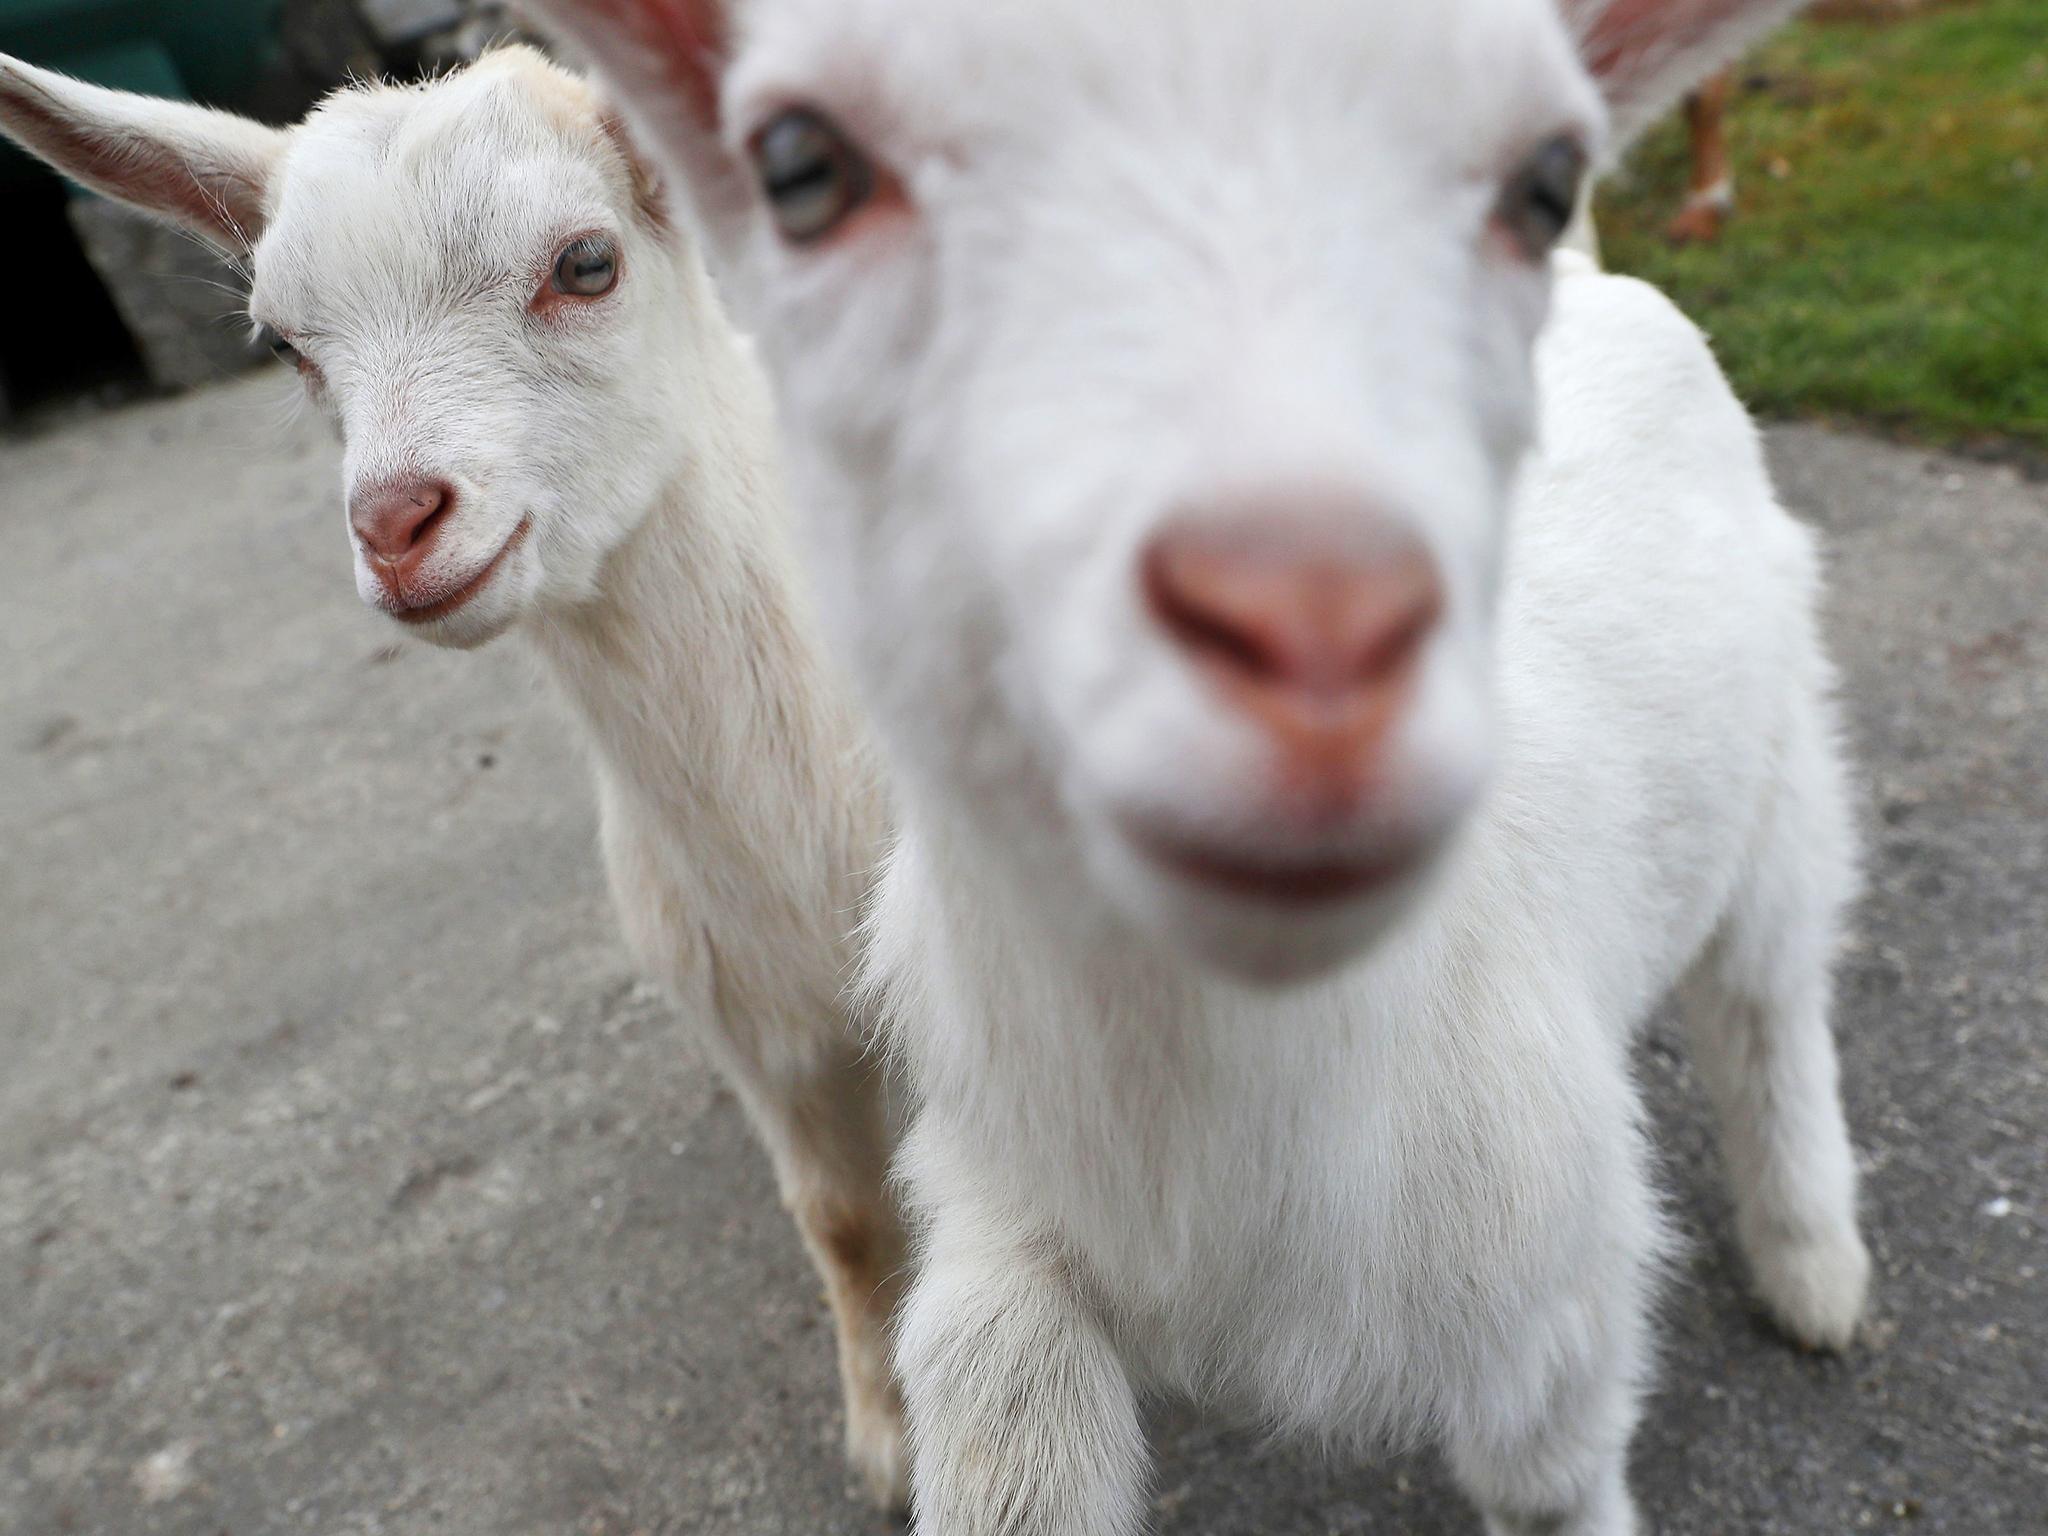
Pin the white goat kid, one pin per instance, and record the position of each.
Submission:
(551, 426)
(1158, 379)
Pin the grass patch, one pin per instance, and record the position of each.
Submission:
(1889, 257)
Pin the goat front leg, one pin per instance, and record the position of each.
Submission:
(819, 1104)
(1538, 1432)
(1564, 1471)
(1710, 196)
(1756, 1011)
(1549, 1457)
(1022, 1420)
(820, 1107)
(830, 1137)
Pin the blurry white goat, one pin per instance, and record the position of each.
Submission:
(1254, 590)
(550, 426)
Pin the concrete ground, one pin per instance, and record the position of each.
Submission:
(350, 1183)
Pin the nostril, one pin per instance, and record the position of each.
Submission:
(434, 511)
(1181, 599)
(1285, 611)
(1412, 601)
(396, 519)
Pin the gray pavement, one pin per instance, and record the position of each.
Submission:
(350, 1183)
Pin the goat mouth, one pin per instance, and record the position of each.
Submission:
(1271, 881)
(441, 607)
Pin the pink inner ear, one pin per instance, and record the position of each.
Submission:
(139, 172)
(1627, 30)
(690, 38)
(647, 198)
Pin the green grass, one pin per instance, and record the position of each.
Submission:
(1889, 256)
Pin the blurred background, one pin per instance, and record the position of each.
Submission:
(1886, 259)
(1868, 246)
(122, 306)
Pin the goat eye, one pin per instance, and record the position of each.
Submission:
(1537, 205)
(812, 174)
(587, 268)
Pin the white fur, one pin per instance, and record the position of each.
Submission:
(402, 234)
(1152, 255)
(1411, 1198)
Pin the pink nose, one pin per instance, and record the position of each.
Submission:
(398, 519)
(1314, 640)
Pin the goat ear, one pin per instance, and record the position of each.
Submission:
(663, 62)
(1645, 54)
(650, 194)
(206, 170)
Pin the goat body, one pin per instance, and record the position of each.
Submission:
(1268, 563)
(549, 425)
(1411, 1200)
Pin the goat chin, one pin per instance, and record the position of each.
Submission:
(1265, 941)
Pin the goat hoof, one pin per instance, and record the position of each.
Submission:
(876, 1452)
(1816, 1287)
(1699, 225)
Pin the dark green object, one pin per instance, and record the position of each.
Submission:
(194, 50)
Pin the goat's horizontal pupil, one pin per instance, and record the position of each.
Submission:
(819, 173)
(812, 176)
(1538, 203)
(587, 268)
